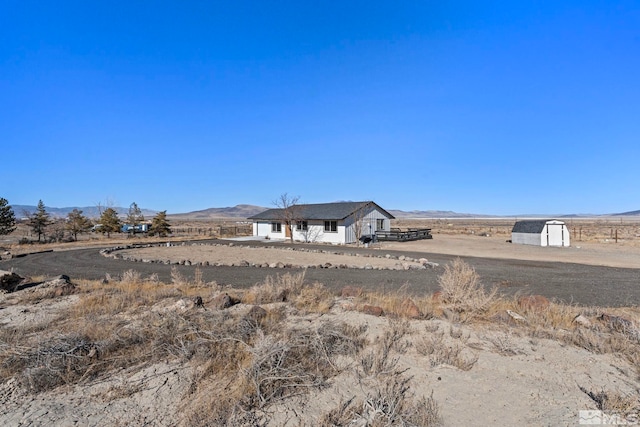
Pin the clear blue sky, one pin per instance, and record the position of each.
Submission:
(471, 106)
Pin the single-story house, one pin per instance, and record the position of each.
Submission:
(338, 223)
(541, 232)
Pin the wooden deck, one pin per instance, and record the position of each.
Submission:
(399, 235)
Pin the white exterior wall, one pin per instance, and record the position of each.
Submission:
(555, 233)
(526, 238)
(263, 229)
(315, 229)
(315, 233)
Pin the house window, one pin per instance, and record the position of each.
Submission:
(331, 226)
(302, 226)
(276, 227)
(379, 224)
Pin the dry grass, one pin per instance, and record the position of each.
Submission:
(254, 362)
(390, 403)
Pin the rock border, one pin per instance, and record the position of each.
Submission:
(405, 262)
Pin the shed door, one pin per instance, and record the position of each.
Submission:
(555, 235)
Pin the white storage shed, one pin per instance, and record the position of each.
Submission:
(541, 232)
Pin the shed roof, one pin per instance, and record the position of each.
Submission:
(530, 226)
(321, 211)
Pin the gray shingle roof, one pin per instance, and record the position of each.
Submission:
(320, 211)
(530, 226)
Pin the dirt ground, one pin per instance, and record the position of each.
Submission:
(622, 254)
(589, 253)
(521, 376)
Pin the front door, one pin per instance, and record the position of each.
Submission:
(287, 230)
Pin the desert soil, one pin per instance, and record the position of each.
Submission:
(519, 378)
(588, 253)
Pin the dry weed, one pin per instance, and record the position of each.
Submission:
(314, 299)
(282, 288)
(439, 351)
(625, 406)
(379, 360)
(462, 291)
(390, 403)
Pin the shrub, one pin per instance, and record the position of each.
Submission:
(462, 291)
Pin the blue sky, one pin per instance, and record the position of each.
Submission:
(471, 106)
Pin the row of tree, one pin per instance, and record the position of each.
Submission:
(77, 223)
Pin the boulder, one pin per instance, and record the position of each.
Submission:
(9, 280)
(372, 310)
(59, 286)
(223, 301)
(618, 324)
(257, 314)
(409, 309)
(582, 321)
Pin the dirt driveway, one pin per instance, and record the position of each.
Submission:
(533, 273)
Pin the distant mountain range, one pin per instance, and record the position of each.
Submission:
(22, 211)
(238, 211)
(244, 211)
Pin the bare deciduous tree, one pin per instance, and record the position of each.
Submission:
(289, 212)
(358, 223)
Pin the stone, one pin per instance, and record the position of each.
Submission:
(582, 321)
(533, 302)
(618, 324)
(256, 314)
(60, 286)
(436, 297)
(517, 317)
(9, 280)
(423, 261)
(372, 310)
(351, 291)
(223, 301)
(409, 309)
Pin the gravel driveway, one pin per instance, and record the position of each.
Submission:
(567, 282)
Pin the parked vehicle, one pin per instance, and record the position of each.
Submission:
(140, 228)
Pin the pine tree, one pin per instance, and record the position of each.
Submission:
(40, 220)
(77, 223)
(160, 225)
(7, 217)
(109, 222)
